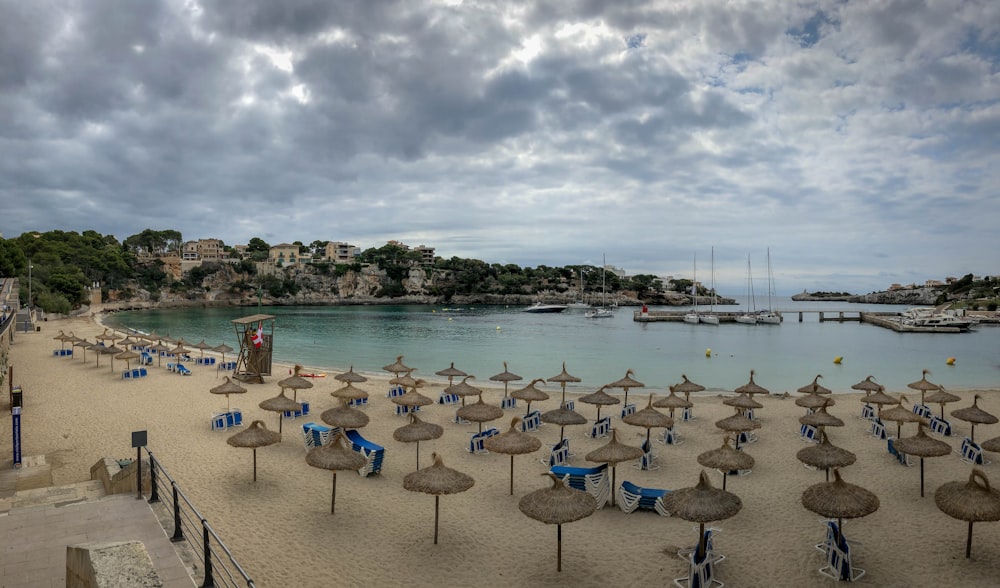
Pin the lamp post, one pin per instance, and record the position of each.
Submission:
(29, 284)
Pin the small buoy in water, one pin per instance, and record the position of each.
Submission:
(708, 352)
(449, 318)
(498, 327)
(837, 360)
(950, 361)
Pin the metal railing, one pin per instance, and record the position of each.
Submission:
(219, 567)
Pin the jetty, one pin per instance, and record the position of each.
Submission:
(887, 320)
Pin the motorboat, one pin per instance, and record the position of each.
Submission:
(599, 313)
(936, 317)
(602, 311)
(538, 307)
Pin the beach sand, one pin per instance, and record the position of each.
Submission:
(281, 531)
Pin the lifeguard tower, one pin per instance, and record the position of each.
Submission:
(254, 361)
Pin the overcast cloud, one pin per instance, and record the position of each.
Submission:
(859, 141)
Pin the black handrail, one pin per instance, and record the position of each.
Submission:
(224, 570)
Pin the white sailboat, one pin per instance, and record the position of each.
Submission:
(602, 311)
(750, 316)
(711, 318)
(692, 317)
(769, 317)
(579, 303)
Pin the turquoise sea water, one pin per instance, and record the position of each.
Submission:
(478, 339)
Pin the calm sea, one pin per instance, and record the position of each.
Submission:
(479, 338)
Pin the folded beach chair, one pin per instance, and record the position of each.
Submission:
(971, 452)
(901, 457)
(314, 435)
(448, 398)
(746, 437)
(508, 402)
(358, 402)
(922, 410)
(601, 428)
(832, 532)
(808, 433)
(595, 481)
(136, 374)
(570, 405)
(234, 418)
(631, 497)
(648, 460)
(628, 409)
(476, 442)
(126, 374)
(940, 426)
(838, 560)
(749, 414)
(459, 420)
(878, 429)
(143, 373)
(559, 454)
(687, 415)
(395, 391)
(227, 366)
(219, 421)
(372, 452)
(868, 412)
(701, 571)
(670, 437)
(709, 547)
(293, 414)
(402, 410)
(531, 421)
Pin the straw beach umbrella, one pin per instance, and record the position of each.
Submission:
(228, 387)
(613, 453)
(813, 401)
(280, 404)
(742, 401)
(563, 416)
(530, 394)
(333, 457)
(991, 445)
(85, 345)
(672, 401)
(111, 350)
(506, 377)
(942, 397)
(868, 385)
(881, 399)
(973, 501)
(479, 412)
(648, 418)
(411, 397)
(922, 446)
(254, 436)
(295, 383)
(752, 387)
(344, 416)
(737, 424)
(128, 355)
(159, 349)
(821, 418)
(726, 459)
(398, 367)
(417, 431)
(223, 349)
(557, 505)
(702, 504)
(923, 385)
(826, 455)
(901, 415)
(463, 389)
(814, 387)
(974, 416)
(451, 373)
(202, 346)
(599, 398)
(839, 500)
(350, 377)
(563, 378)
(627, 382)
(406, 380)
(513, 442)
(349, 392)
(437, 479)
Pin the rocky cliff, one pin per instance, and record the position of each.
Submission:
(914, 296)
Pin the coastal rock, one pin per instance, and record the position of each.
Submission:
(913, 296)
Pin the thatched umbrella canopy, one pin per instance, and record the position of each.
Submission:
(752, 387)
(557, 505)
(839, 500)
(479, 412)
(463, 389)
(85, 345)
(672, 401)
(344, 416)
(398, 367)
(413, 398)
(813, 400)
(223, 349)
(975, 416)
(648, 418)
(737, 424)
(61, 337)
(158, 349)
(451, 373)
(180, 350)
(350, 377)
(743, 401)
(702, 504)
(98, 349)
(349, 392)
(612, 453)
(437, 479)
(826, 455)
(333, 457)
(106, 336)
(417, 431)
(563, 416)
(923, 385)
(112, 350)
(821, 418)
(942, 397)
(991, 445)
(627, 382)
(280, 404)
(513, 442)
(881, 399)
(599, 398)
(726, 459)
(530, 394)
(922, 446)
(406, 380)
(295, 383)
(228, 387)
(563, 378)
(128, 355)
(686, 387)
(973, 501)
(868, 385)
(202, 346)
(254, 436)
(814, 387)
(505, 377)
(901, 414)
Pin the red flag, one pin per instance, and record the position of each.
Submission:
(258, 338)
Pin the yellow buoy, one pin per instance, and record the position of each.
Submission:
(837, 360)
(708, 352)
(950, 361)
(498, 327)
(449, 318)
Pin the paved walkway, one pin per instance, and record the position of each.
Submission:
(42, 522)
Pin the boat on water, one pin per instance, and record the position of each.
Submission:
(769, 317)
(538, 307)
(936, 317)
(579, 304)
(692, 317)
(602, 311)
(710, 318)
(750, 316)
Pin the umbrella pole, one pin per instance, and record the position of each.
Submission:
(512, 474)
(972, 435)
(828, 475)
(418, 454)
(437, 500)
(968, 543)
(921, 477)
(254, 464)
(700, 551)
(559, 545)
(333, 498)
(725, 475)
(614, 485)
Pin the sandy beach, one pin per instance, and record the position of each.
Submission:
(281, 530)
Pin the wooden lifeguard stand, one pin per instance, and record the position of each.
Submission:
(254, 362)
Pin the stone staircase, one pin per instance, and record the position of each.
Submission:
(31, 485)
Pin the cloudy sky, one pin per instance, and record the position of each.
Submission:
(859, 141)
